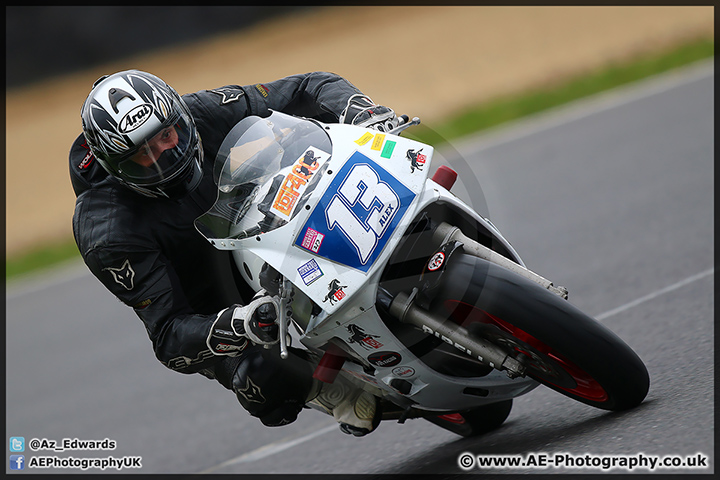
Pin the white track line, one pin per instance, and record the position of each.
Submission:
(585, 107)
(655, 294)
(272, 448)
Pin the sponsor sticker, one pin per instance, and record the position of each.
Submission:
(364, 139)
(377, 143)
(310, 271)
(385, 359)
(312, 240)
(403, 371)
(359, 336)
(335, 292)
(296, 182)
(388, 149)
(417, 159)
(371, 342)
(436, 261)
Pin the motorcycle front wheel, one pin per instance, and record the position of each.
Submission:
(561, 347)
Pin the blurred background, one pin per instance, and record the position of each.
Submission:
(427, 61)
(46, 41)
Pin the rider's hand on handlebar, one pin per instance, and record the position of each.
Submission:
(255, 321)
(363, 112)
(262, 327)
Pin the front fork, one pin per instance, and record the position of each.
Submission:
(403, 308)
(286, 293)
(445, 233)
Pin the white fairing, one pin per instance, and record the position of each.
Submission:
(331, 232)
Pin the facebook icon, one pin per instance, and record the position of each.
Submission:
(17, 462)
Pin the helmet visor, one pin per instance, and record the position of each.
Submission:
(160, 158)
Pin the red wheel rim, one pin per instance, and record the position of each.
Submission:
(585, 385)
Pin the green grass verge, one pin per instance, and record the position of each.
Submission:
(475, 119)
(40, 258)
(505, 109)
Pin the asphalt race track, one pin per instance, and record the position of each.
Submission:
(611, 197)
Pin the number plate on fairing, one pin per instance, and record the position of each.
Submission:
(357, 214)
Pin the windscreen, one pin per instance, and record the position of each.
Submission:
(265, 170)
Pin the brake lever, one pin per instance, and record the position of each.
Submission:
(400, 128)
(284, 315)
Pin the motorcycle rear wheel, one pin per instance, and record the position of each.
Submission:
(563, 348)
(475, 422)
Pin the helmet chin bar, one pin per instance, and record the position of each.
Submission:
(185, 182)
(144, 191)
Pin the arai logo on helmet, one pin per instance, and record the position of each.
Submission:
(135, 118)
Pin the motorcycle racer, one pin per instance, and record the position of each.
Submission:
(142, 171)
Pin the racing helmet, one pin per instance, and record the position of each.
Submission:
(142, 133)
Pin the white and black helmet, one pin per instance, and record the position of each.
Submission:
(126, 116)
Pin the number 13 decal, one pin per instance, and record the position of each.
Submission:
(378, 204)
(356, 215)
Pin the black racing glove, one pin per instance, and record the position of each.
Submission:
(236, 325)
(363, 112)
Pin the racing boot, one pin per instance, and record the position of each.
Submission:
(356, 410)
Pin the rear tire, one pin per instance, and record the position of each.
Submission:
(477, 421)
(562, 347)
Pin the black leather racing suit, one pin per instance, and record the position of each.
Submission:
(147, 252)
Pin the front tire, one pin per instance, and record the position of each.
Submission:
(562, 347)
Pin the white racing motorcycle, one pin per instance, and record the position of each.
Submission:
(397, 285)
